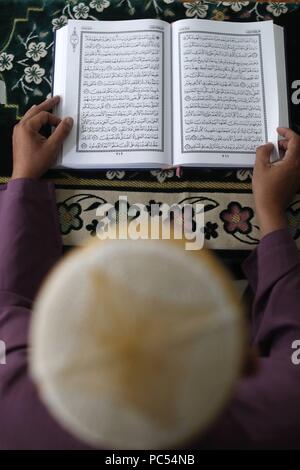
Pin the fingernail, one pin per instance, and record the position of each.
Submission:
(69, 121)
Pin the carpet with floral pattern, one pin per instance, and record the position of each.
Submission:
(26, 40)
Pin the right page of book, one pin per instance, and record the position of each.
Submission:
(226, 91)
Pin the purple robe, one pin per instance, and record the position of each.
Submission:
(265, 409)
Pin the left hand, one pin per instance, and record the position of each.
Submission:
(34, 154)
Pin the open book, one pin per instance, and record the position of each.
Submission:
(146, 93)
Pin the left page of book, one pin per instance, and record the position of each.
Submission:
(113, 77)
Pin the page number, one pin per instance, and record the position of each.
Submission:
(119, 154)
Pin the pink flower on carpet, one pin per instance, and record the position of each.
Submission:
(236, 218)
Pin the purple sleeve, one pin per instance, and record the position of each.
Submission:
(30, 244)
(264, 412)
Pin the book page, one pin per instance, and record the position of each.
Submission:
(59, 73)
(281, 76)
(118, 94)
(225, 91)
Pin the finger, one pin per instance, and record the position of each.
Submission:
(263, 154)
(286, 133)
(41, 119)
(62, 131)
(291, 146)
(283, 144)
(29, 112)
(44, 106)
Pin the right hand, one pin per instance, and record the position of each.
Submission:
(34, 154)
(275, 184)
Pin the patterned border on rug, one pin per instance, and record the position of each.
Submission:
(230, 223)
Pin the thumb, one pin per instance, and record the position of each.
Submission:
(62, 131)
(263, 154)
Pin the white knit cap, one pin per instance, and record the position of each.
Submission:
(136, 344)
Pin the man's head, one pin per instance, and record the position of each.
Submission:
(136, 344)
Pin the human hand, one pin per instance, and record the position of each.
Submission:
(275, 184)
(34, 154)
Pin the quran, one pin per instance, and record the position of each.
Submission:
(146, 93)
